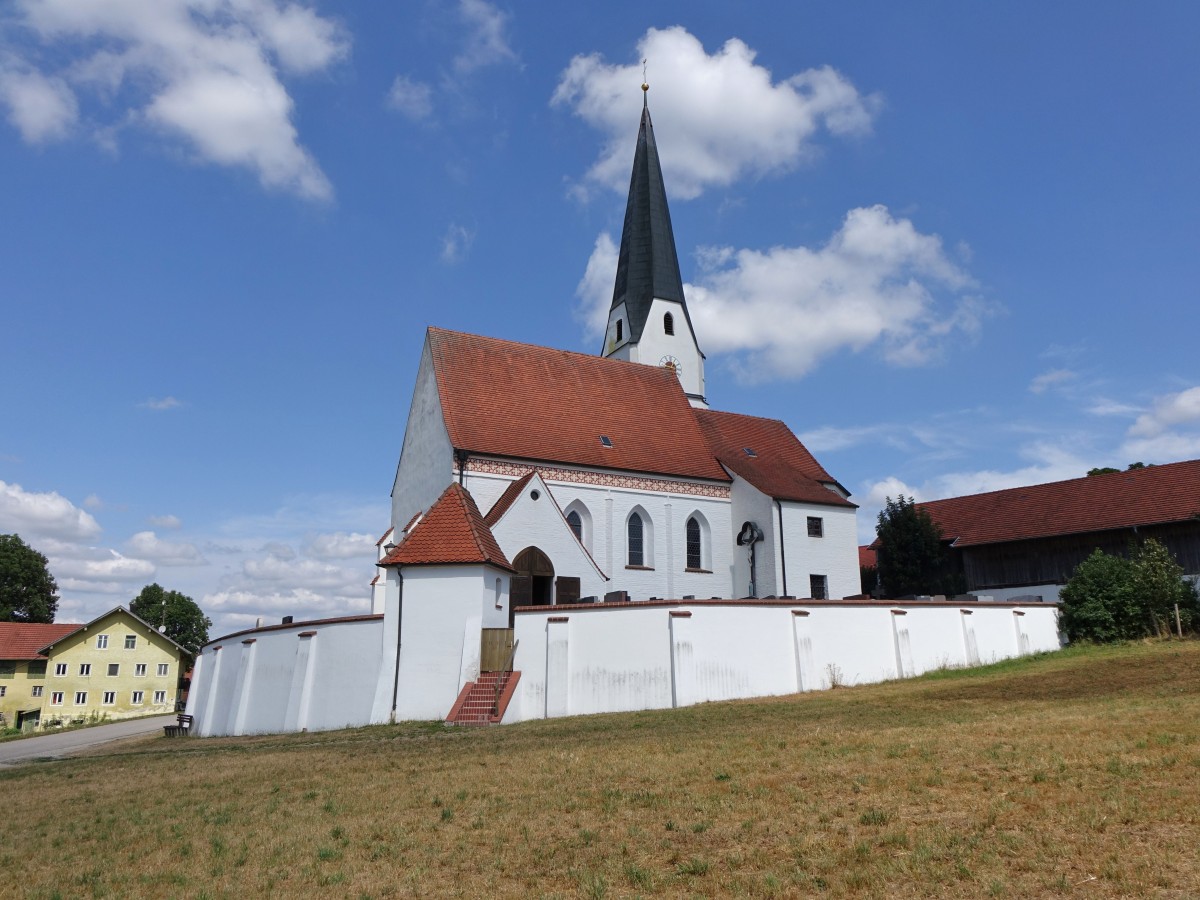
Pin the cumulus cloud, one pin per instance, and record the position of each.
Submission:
(456, 243)
(595, 289)
(206, 72)
(148, 545)
(112, 568)
(413, 99)
(341, 545)
(486, 42)
(1167, 412)
(1053, 379)
(725, 115)
(240, 608)
(48, 514)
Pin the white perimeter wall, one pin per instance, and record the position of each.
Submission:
(312, 676)
(580, 660)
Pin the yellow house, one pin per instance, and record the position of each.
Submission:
(114, 667)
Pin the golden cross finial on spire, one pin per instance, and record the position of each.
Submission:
(645, 83)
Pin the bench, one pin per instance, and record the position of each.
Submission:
(182, 728)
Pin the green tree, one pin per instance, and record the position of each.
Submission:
(1159, 585)
(1099, 602)
(911, 557)
(28, 592)
(185, 622)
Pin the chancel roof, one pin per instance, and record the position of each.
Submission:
(1154, 495)
(504, 398)
(769, 456)
(452, 532)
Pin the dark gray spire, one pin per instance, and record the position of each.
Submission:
(648, 266)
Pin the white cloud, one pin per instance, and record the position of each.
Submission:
(726, 116)
(239, 608)
(305, 571)
(341, 545)
(456, 244)
(877, 281)
(1052, 379)
(49, 514)
(93, 501)
(486, 41)
(148, 545)
(43, 109)
(204, 71)
(160, 404)
(113, 568)
(167, 521)
(1169, 411)
(410, 98)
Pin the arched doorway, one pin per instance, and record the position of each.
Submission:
(533, 585)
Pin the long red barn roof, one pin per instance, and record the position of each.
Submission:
(23, 640)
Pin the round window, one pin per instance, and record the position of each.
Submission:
(534, 494)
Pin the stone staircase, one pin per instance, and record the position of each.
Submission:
(483, 702)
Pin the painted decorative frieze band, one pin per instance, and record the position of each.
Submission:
(599, 479)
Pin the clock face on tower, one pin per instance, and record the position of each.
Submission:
(670, 362)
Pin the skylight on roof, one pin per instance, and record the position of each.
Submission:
(606, 440)
(750, 453)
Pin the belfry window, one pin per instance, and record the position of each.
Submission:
(620, 329)
(637, 556)
(669, 323)
(576, 524)
(695, 555)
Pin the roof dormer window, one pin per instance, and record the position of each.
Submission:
(750, 452)
(606, 441)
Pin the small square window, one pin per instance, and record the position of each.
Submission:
(110, 697)
(139, 697)
(140, 670)
(160, 697)
(131, 642)
(3, 689)
(60, 668)
(102, 642)
(163, 669)
(816, 526)
(85, 669)
(81, 698)
(56, 699)
(37, 690)
(817, 587)
(8, 669)
(114, 669)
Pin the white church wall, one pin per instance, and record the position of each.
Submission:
(834, 554)
(749, 504)
(657, 655)
(427, 457)
(655, 345)
(308, 675)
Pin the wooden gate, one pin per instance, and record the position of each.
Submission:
(494, 648)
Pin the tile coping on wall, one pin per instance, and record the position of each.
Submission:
(964, 605)
(281, 627)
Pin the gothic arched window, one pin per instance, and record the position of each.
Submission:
(576, 524)
(695, 549)
(669, 323)
(637, 556)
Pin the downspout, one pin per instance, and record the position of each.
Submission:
(399, 628)
(461, 457)
(782, 555)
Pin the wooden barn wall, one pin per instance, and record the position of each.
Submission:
(1052, 560)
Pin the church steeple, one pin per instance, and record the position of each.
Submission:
(648, 321)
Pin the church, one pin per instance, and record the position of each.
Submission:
(577, 534)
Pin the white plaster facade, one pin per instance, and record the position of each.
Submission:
(656, 347)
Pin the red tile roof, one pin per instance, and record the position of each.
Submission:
(511, 493)
(1151, 496)
(452, 532)
(525, 402)
(781, 468)
(23, 640)
(867, 557)
(387, 534)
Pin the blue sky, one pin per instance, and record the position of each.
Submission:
(953, 246)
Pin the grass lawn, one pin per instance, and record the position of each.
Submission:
(1074, 774)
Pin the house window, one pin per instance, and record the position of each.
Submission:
(817, 587)
(576, 524)
(636, 534)
(56, 699)
(138, 698)
(140, 670)
(60, 668)
(669, 323)
(620, 329)
(37, 690)
(110, 697)
(81, 698)
(3, 689)
(37, 669)
(164, 668)
(85, 670)
(8, 669)
(160, 697)
(695, 554)
(131, 642)
(114, 669)
(102, 642)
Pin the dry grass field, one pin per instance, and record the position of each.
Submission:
(1074, 774)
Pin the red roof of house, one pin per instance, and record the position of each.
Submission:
(387, 534)
(452, 532)
(23, 640)
(1151, 496)
(867, 557)
(511, 493)
(781, 467)
(521, 401)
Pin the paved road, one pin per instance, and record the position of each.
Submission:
(68, 743)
